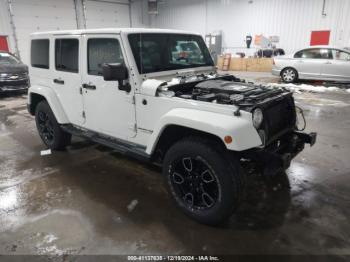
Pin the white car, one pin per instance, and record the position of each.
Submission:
(315, 63)
(122, 88)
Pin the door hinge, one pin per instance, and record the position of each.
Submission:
(83, 114)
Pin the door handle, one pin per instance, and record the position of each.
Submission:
(328, 63)
(89, 86)
(58, 81)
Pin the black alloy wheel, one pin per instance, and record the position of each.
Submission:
(206, 181)
(49, 129)
(45, 127)
(195, 182)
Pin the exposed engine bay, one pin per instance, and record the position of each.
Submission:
(226, 89)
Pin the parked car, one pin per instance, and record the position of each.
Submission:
(13, 73)
(124, 89)
(315, 63)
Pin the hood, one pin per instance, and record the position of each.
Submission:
(19, 68)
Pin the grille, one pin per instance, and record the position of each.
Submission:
(19, 75)
(279, 117)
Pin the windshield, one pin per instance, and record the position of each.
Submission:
(7, 59)
(162, 52)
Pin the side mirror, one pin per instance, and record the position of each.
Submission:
(116, 72)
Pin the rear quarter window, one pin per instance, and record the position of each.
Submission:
(39, 53)
(298, 54)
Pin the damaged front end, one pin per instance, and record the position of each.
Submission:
(273, 110)
(277, 156)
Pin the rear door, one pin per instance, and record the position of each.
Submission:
(108, 110)
(337, 68)
(309, 63)
(66, 78)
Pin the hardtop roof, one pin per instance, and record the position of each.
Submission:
(111, 31)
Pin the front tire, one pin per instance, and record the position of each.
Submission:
(204, 180)
(289, 75)
(49, 129)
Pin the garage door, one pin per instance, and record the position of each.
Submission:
(41, 15)
(107, 13)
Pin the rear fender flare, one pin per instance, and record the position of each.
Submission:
(52, 100)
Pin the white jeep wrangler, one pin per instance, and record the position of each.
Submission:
(155, 94)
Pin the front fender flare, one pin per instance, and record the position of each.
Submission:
(241, 130)
(52, 100)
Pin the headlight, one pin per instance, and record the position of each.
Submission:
(3, 74)
(257, 117)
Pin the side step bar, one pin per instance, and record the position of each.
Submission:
(121, 146)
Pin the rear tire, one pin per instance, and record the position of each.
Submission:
(206, 182)
(49, 129)
(289, 75)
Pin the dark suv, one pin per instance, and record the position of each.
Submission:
(13, 73)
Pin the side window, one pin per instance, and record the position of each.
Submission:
(315, 53)
(103, 50)
(326, 54)
(299, 54)
(39, 53)
(340, 55)
(311, 53)
(67, 55)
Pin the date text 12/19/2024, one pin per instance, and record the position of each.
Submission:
(174, 258)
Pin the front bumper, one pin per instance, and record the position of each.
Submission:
(278, 156)
(276, 72)
(12, 85)
(6, 89)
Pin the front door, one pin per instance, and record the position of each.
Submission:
(107, 109)
(337, 68)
